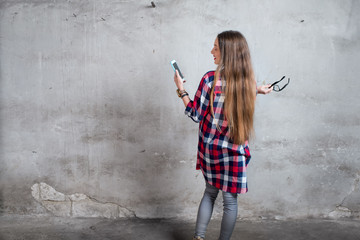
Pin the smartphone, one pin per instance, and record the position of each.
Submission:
(176, 67)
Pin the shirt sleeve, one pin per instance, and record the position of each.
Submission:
(197, 108)
(247, 154)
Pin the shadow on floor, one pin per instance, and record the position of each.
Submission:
(25, 227)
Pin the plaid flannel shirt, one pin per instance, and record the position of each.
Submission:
(222, 162)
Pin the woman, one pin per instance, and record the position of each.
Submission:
(224, 106)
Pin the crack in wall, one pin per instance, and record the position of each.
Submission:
(77, 204)
(347, 207)
(355, 188)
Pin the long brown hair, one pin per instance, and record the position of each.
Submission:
(236, 70)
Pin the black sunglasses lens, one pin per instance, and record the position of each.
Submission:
(276, 87)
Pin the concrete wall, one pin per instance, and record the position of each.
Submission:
(91, 124)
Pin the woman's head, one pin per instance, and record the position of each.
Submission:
(233, 50)
(234, 67)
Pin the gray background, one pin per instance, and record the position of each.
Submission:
(88, 104)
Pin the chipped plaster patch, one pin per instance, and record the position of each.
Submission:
(340, 212)
(77, 204)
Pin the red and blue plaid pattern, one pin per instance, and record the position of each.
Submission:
(222, 162)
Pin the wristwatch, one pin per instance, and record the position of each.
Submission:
(180, 92)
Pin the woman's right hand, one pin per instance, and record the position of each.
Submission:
(264, 89)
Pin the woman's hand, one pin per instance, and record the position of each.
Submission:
(264, 89)
(180, 85)
(179, 82)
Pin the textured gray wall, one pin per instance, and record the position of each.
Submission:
(88, 106)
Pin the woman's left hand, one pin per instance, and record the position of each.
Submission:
(179, 81)
(264, 89)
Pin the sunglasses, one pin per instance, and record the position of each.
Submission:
(276, 87)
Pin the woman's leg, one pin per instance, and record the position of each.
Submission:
(229, 215)
(205, 210)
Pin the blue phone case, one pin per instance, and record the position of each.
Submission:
(176, 67)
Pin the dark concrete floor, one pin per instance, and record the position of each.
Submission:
(20, 227)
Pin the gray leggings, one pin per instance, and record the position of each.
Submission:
(206, 209)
